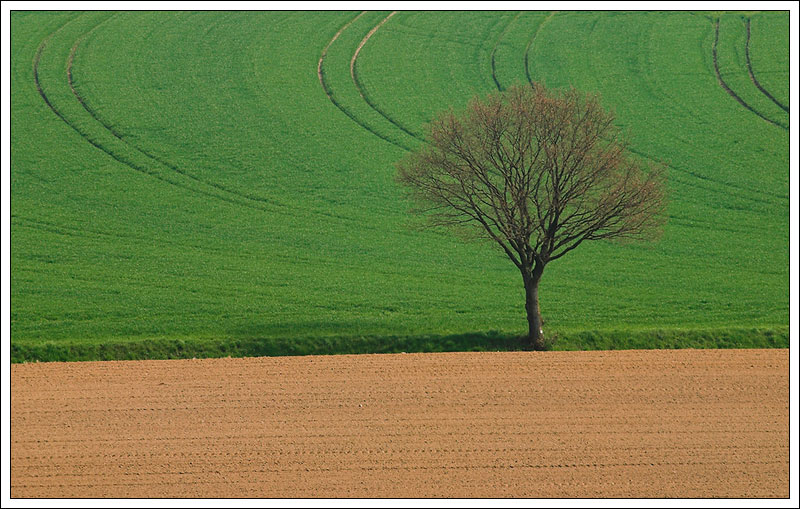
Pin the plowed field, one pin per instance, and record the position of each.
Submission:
(680, 423)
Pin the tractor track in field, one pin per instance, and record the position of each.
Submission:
(69, 231)
(610, 424)
(748, 196)
(329, 93)
(747, 192)
(728, 89)
(237, 198)
(320, 71)
(530, 43)
(360, 88)
(124, 161)
(719, 186)
(750, 69)
(108, 127)
(494, 50)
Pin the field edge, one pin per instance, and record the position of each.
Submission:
(161, 348)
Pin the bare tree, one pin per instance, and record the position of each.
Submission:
(538, 172)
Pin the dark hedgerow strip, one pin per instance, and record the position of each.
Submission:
(470, 342)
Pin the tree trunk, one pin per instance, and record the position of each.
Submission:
(535, 334)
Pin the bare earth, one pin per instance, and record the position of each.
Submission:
(679, 423)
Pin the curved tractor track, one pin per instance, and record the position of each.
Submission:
(647, 423)
(747, 196)
(753, 76)
(236, 198)
(256, 202)
(530, 43)
(727, 89)
(108, 127)
(494, 50)
(86, 136)
(360, 88)
(329, 93)
(526, 57)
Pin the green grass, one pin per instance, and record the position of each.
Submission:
(199, 194)
(732, 62)
(769, 52)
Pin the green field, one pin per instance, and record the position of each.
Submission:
(189, 184)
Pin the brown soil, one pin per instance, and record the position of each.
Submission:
(681, 423)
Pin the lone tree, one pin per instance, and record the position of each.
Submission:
(538, 172)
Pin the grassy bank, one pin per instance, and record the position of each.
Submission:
(479, 341)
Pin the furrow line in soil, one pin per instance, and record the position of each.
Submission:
(248, 438)
(353, 452)
(369, 468)
(676, 442)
